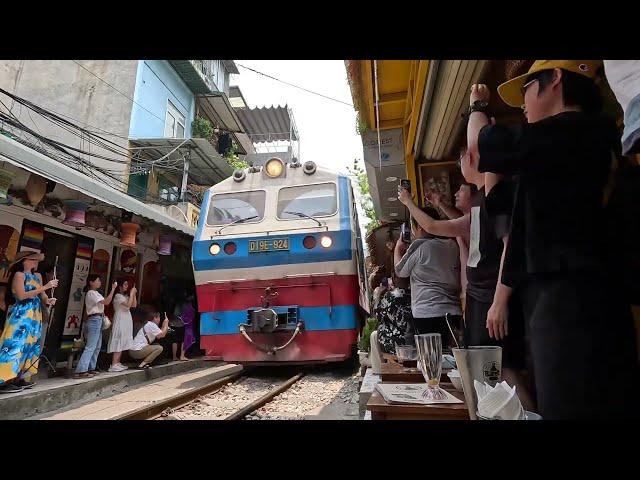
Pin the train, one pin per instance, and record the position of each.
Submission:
(279, 266)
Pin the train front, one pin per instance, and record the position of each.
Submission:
(274, 260)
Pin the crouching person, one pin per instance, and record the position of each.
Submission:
(143, 347)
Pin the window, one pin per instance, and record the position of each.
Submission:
(231, 207)
(167, 190)
(174, 122)
(313, 200)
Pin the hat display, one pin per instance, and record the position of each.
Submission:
(36, 189)
(128, 234)
(164, 245)
(75, 211)
(511, 91)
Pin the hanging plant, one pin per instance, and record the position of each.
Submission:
(202, 128)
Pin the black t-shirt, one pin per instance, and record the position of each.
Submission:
(489, 223)
(563, 163)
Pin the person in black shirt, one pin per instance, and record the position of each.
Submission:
(582, 337)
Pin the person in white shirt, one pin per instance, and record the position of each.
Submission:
(143, 347)
(94, 304)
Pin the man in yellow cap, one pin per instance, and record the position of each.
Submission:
(581, 329)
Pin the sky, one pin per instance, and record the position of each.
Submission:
(327, 129)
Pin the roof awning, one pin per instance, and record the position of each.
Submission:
(245, 143)
(268, 124)
(206, 165)
(24, 157)
(217, 107)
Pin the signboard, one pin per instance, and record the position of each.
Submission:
(81, 268)
(392, 147)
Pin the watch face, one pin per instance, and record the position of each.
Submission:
(481, 104)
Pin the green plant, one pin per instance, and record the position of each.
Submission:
(366, 202)
(361, 124)
(365, 339)
(202, 128)
(234, 161)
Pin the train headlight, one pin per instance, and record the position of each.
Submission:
(214, 249)
(326, 242)
(274, 167)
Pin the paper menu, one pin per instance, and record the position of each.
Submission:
(411, 393)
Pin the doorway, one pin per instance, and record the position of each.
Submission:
(62, 245)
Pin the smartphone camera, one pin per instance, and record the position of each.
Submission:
(406, 184)
(405, 233)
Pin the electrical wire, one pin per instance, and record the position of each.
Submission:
(295, 86)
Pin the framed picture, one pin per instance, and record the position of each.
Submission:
(437, 177)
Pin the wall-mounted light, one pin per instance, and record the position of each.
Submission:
(392, 179)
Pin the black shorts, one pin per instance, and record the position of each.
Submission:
(437, 325)
(476, 333)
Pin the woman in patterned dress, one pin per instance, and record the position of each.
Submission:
(394, 316)
(20, 340)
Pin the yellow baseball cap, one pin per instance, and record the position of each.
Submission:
(511, 91)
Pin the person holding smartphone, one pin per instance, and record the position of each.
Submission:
(143, 347)
(432, 265)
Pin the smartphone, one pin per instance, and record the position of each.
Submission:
(406, 184)
(405, 233)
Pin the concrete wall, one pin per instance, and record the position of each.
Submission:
(68, 89)
(157, 83)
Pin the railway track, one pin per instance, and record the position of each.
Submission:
(164, 409)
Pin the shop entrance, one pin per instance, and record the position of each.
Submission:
(63, 245)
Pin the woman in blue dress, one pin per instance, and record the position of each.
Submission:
(20, 340)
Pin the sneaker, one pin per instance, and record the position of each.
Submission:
(24, 383)
(117, 368)
(10, 388)
(123, 367)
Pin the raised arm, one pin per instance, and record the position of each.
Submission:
(436, 200)
(398, 252)
(165, 327)
(133, 299)
(444, 228)
(109, 297)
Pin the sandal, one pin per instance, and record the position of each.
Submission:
(82, 375)
(144, 367)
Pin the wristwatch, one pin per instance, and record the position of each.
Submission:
(478, 106)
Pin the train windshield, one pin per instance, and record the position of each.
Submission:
(311, 200)
(226, 208)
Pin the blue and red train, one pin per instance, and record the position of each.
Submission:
(279, 266)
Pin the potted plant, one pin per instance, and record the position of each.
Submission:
(364, 345)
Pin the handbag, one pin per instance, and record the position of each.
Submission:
(106, 323)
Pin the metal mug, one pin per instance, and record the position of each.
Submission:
(480, 363)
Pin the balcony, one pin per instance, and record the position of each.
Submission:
(200, 75)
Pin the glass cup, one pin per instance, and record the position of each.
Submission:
(430, 357)
(407, 355)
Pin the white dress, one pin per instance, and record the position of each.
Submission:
(121, 337)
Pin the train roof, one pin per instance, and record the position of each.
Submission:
(256, 178)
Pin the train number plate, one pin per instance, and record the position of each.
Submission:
(270, 245)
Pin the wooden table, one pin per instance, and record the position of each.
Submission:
(381, 410)
(392, 372)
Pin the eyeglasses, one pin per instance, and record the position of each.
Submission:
(524, 87)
